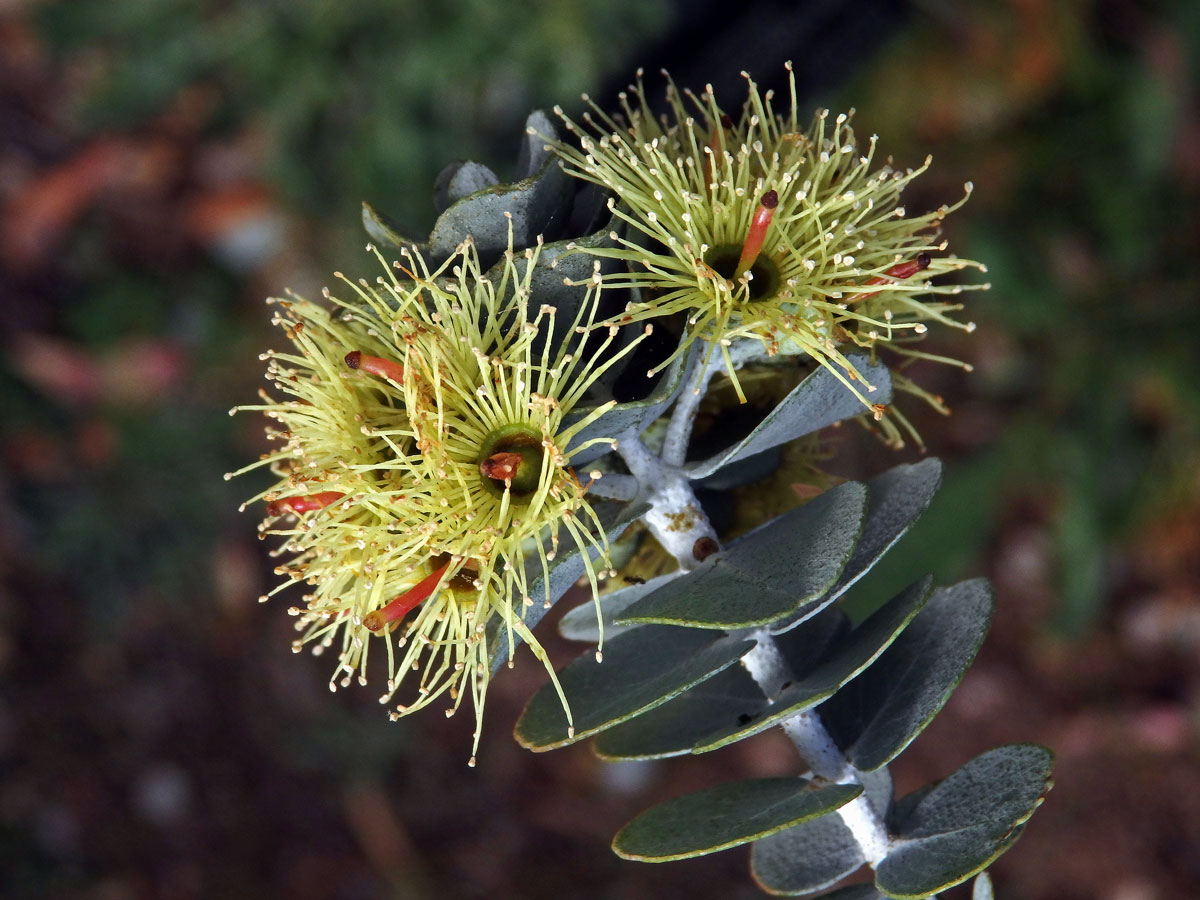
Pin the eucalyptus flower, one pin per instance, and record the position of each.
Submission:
(760, 226)
(423, 476)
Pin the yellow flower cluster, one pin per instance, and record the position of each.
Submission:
(760, 226)
(422, 477)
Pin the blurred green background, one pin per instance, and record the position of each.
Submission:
(166, 164)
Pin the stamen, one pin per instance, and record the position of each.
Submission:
(307, 503)
(757, 233)
(374, 365)
(405, 603)
(714, 139)
(714, 144)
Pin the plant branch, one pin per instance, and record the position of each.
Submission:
(817, 748)
(675, 517)
(683, 416)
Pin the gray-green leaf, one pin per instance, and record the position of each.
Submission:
(720, 705)
(770, 573)
(642, 669)
(895, 500)
(565, 569)
(818, 853)
(966, 821)
(806, 857)
(538, 204)
(675, 727)
(879, 713)
(459, 180)
(840, 664)
(633, 415)
(725, 816)
(818, 401)
(579, 623)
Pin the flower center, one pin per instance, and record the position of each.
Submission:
(511, 460)
(463, 581)
(764, 281)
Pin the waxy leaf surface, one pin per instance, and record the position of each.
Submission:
(841, 663)
(816, 854)
(565, 569)
(459, 180)
(770, 573)
(722, 703)
(678, 725)
(725, 816)
(633, 415)
(895, 500)
(806, 857)
(965, 821)
(538, 204)
(642, 669)
(579, 623)
(818, 401)
(879, 713)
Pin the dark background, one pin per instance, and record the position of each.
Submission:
(166, 164)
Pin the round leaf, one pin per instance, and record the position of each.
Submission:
(818, 401)
(725, 816)
(633, 415)
(966, 821)
(565, 569)
(806, 857)
(895, 500)
(642, 669)
(461, 179)
(722, 704)
(879, 713)
(579, 623)
(784, 564)
(846, 659)
(537, 204)
(675, 727)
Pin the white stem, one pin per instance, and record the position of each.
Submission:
(817, 748)
(677, 522)
(675, 517)
(683, 416)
